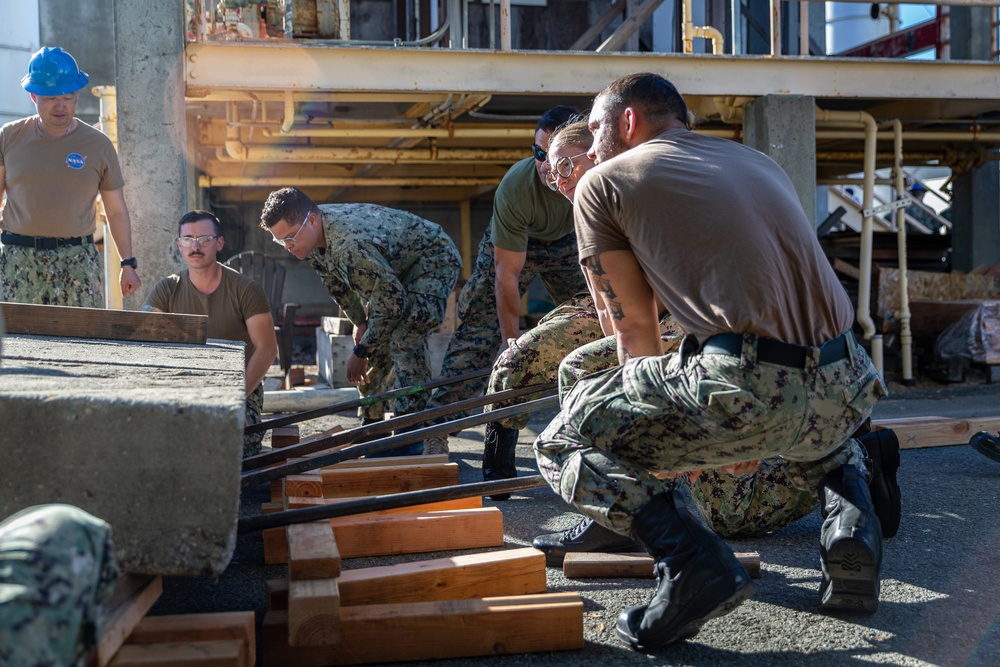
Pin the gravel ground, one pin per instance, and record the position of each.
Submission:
(940, 599)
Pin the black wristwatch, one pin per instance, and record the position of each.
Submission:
(360, 351)
(130, 262)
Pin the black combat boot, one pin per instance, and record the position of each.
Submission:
(850, 543)
(882, 447)
(698, 577)
(588, 536)
(986, 444)
(498, 455)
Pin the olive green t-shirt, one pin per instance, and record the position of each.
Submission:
(525, 209)
(234, 301)
(720, 235)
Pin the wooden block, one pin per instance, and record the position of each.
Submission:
(491, 574)
(350, 482)
(312, 551)
(384, 461)
(296, 377)
(309, 485)
(633, 566)
(918, 432)
(418, 532)
(313, 612)
(135, 325)
(436, 630)
(133, 596)
(840, 266)
(277, 490)
(217, 653)
(283, 436)
(271, 507)
(198, 628)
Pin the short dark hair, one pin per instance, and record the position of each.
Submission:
(555, 117)
(650, 94)
(288, 204)
(195, 216)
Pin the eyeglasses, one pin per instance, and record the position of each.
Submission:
(565, 166)
(200, 241)
(290, 240)
(539, 154)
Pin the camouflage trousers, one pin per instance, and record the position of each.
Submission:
(66, 276)
(690, 411)
(57, 570)
(475, 343)
(534, 357)
(405, 363)
(254, 406)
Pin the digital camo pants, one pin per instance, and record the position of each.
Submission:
(474, 344)
(690, 411)
(67, 276)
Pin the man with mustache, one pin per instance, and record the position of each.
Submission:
(236, 306)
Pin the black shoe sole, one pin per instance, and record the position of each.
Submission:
(851, 578)
(743, 591)
(984, 444)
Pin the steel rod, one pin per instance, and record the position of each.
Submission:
(387, 502)
(363, 449)
(353, 435)
(360, 402)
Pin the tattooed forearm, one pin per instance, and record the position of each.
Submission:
(603, 285)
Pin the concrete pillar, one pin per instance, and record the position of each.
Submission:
(149, 49)
(784, 127)
(976, 214)
(976, 195)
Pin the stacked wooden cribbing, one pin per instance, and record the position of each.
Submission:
(132, 639)
(461, 606)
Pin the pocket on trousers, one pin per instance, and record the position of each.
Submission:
(730, 402)
(865, 397)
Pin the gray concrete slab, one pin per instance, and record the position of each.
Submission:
(146, 436)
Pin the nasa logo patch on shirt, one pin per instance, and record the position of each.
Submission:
(75, 161)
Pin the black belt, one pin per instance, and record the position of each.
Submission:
(43, 242)
(772, 351)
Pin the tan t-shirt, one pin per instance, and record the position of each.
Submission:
(234, 301)
(719, 232)
(52, 183)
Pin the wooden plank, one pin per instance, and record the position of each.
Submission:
(633, 566)
(284, 436)
(436, 630)
(72, 322)
(271, 507)
(919, 432)
(312, 551)
(313, 612)
(295, 502)
(309, 485)
(840, 266)
(492, 574)
(198, 628)
(350, 482)
(134, 596)
(417, 532)
(217, 653)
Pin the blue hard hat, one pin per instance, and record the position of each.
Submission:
(52, 71)
(916, 187)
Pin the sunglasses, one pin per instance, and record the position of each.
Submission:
(539, 154)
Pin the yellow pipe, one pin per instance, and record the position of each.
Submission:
(865, 279)
(342, 181)
(905, 335)
(393, 133)
(689, 31)
(236, 151)
(109, 125)
(286, 123)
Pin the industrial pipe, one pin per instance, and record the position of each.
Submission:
(345, 181)
(236, 151)
(864, 316)
(689, 31)
(905, 335)
(451, 132)
(108, 124)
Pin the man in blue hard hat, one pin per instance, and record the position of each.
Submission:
(52, 167)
